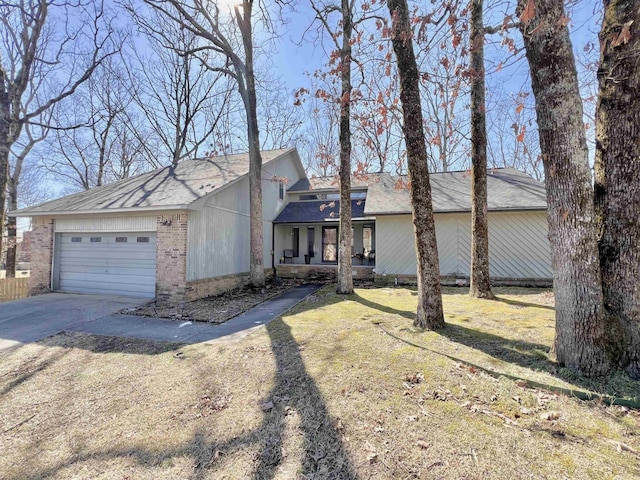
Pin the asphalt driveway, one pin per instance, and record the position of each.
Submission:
(34, 318)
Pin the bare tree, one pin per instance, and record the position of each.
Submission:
(442, 58)
(344, 52)
(430, 313)
(181, 98)
(40, 68)
(480, 282)
(86, 142)
(205, 19)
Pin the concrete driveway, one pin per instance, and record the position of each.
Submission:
(34, 318)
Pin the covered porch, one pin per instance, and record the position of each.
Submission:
(316, 244)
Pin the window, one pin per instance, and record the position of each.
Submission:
(367, 238)
(142, 239)
(281, 190)
(296, 242)
(76, 239)
(96, 239)
(121, 239)
(330, 244)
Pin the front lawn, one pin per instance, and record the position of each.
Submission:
(338, 388)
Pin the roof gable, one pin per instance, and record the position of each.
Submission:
(507, 189)
(161, 189)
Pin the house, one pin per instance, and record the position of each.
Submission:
(383, 238)
(174, 233)
(180, 233)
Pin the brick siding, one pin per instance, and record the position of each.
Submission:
(41, 256)
(171, 265)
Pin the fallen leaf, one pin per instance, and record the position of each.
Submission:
(550, 416)
(415, 378)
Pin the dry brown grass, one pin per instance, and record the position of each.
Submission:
(321, 393)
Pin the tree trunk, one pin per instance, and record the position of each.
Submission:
(583, 329)
(256, 234)
(5, 146)
(480, 283)
(12, 229)
(345, 277)
(429, 314)
(617, 172)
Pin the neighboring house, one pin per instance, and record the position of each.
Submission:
(383, 238)
(183, 233)
(173, 233)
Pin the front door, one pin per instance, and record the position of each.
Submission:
(330, 244)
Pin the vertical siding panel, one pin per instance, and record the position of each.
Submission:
(218, 236)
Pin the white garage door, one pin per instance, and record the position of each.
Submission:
(112, 263)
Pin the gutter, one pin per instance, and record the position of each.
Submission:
(54, 213)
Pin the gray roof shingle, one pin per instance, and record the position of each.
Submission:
(165, 188)
(317, 211)
(507, 189)
(330, 183)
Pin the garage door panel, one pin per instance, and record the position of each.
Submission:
(124, 278)
(106, 254)
(109, 289)
(111, 269)
(107, 266)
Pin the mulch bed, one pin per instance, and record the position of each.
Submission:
(217, 309)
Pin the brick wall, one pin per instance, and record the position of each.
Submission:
(209, 287)
(41, 256)
(320, 272)
(171, 266)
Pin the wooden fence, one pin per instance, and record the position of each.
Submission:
(13, 288)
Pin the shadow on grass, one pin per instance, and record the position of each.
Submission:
(28, 371)
(294, 390)
(516, 303)
(529, 355)
(109, 344)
